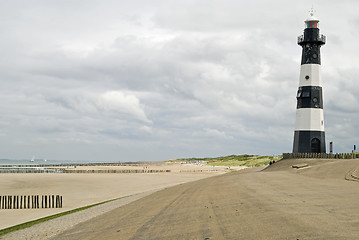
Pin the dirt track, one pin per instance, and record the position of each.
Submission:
(278, 203)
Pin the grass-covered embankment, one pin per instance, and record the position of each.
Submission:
(232, 160)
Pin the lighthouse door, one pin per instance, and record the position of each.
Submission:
(315, 145)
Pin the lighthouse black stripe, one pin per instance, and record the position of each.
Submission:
(310, 97)
(303, 141)
(311, 54)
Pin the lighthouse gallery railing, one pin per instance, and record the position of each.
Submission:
(321, 38)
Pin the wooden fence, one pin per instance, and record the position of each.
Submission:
(30, 201)
(115, 171)
(321, 155)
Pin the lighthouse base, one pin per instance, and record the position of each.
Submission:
(309, 142)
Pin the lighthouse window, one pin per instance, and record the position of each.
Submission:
(307, 77)
(299, 93)
(312, 25)
(305, 94)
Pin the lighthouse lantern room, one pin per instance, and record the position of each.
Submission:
(309, 134)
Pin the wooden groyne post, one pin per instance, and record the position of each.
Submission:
(30, 201)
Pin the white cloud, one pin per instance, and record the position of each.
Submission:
(123, 103)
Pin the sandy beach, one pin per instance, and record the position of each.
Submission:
(319, 201)
(82, 189)
(316, 199)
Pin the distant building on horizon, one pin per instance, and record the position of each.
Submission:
(309, 134)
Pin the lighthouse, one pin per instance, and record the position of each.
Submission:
(309, 134)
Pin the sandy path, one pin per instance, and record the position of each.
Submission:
(281, 204)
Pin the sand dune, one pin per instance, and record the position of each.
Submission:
(317, 168)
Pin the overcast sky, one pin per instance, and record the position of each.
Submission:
(139, 80)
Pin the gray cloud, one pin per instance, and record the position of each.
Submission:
(129, 80)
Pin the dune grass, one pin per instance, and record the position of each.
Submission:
(233, 160)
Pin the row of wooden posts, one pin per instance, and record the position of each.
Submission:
(321, 155)
(77, 164)
(28, 170)
(23, 170)
(115, 171)
(30, 201)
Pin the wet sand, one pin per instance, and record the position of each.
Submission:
(280, 202)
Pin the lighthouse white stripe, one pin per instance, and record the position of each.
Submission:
(313, 71)
(309, 119)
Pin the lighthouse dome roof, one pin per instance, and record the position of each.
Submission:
(312, 18)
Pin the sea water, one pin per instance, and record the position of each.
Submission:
(39, 166)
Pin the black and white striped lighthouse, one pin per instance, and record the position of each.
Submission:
(309, 135)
